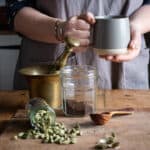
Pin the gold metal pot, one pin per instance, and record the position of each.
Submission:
(43, 84)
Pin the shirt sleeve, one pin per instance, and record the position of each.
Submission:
(13, 6)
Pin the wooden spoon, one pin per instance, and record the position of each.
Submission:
(103, 118)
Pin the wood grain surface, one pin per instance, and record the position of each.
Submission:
(132, 131)
(13, 99)
(10, 101)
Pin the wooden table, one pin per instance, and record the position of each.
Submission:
(133, 131)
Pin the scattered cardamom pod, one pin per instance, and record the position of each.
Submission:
(50, 133)
(108, 142)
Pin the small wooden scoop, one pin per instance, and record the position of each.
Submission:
(103, 118)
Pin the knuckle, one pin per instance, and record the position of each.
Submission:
(81, 24)
(85, 42)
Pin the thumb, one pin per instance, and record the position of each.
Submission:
(135, 36)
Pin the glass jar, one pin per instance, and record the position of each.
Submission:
(78, 89)
(36, 104)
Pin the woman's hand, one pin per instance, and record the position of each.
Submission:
(78, 27)
(133, 47)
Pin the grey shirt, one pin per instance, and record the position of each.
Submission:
(126, 75)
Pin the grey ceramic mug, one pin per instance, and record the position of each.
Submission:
(111, 35)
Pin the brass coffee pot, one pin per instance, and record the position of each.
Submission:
(44, 80)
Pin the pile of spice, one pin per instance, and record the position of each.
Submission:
(42, 119)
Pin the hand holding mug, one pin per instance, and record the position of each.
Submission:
(133, 47)
(111, 35)
(78, 27)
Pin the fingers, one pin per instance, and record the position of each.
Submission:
(89, 17)
(135, 39)
(83, 21)
(82, 25)
(78, 24)
(133, 48)
(81, 35)
(80, 49)
(78, 27)
(110, 58)
(78, 34)
(131, 54)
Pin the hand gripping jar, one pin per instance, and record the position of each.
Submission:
(78, 84)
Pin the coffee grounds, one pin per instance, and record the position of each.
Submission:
(77, 108)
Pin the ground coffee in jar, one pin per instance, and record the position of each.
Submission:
(78, 89)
